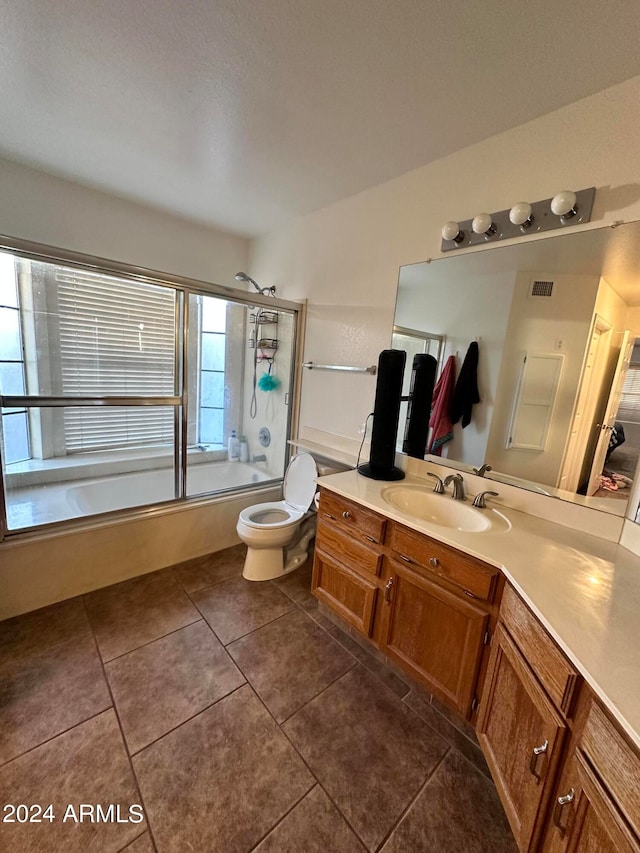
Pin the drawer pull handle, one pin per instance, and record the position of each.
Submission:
(470, 594)
(328, 515)
(434, 562)
(369, 538)
(406, 559)
(387, 590)
(536, 752)
(346, 514)
(561, 802)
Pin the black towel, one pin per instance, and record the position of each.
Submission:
(466, 390)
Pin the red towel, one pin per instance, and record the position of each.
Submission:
(440, 422)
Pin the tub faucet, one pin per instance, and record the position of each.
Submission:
(458, 486)
(258, 457)
(482, 470)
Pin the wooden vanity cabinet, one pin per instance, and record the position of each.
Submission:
(521, 734)
(596, 804)
(348, 560)
(428, 607)
(437, 636)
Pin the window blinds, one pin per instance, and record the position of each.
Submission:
(629, 408)
(116, 338)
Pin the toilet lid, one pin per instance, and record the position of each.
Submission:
(300, 481)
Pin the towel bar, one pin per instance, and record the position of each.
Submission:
(313, 366)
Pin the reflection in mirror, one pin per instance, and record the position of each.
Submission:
(556, 321)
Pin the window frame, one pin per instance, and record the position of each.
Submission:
(183, 287)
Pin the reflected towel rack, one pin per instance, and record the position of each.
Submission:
(311, 365)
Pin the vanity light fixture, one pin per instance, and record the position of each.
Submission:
(451, 232)
(483, 224)
(564, 204)
(520, 214)
(565, 209)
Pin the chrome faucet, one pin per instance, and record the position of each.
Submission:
(458, 486)
(482, 470)
(479, 500)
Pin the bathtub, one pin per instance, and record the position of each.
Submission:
(42, 504)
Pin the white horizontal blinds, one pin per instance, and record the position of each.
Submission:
(629, 408)
(116, 338)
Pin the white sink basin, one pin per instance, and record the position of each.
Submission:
(421, 502)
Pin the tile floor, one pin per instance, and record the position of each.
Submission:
(238, 716)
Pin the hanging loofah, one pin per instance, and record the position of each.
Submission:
(267, 382)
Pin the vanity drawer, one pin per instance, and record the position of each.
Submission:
(361, 522)
(555, 672)
(475, 579)
(348, 550)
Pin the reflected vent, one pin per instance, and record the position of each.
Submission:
(543, 289)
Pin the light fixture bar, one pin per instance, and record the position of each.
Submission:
(541, 218)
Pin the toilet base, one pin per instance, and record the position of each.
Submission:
(263, 564)
(267, 564)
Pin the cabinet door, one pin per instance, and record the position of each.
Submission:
(584, 818)
(521, 735)
(351, 595)
(436, 635)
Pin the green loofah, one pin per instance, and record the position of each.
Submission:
(267, 382)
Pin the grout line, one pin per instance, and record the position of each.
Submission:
(58, 734)
(255, 630)
(124, 743)
(206, 586)
(148, 642)
(192, 717)
(306, 764)
(315, 695)
(104, 595)
(285, 815)
(413, 799)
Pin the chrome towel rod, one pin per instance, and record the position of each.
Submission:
(313, 366)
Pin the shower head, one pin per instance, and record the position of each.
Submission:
(265, 291)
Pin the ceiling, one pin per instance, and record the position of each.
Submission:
(242, 114)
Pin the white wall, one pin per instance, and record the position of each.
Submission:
(558, 326)
(40, 207)
(345, 258)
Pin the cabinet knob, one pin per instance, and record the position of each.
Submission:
(434, 562)
(346, 514)
(561, 802)
(536, 752)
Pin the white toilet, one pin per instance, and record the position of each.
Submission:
(278, 533)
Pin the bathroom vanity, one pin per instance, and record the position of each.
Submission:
(462, 612)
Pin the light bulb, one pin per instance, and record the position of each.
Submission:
(520, 214)
(564, 204)
(451, 231)
(483, 224)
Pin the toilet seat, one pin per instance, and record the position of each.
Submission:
(257, 516)
(299, 490)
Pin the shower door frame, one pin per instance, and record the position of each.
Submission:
(183, 288)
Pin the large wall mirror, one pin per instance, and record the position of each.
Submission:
(557, 322)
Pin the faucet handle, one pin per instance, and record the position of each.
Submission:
(479, 500)
(439, 486)
(482, 470)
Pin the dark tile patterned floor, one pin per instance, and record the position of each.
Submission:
(240, 717)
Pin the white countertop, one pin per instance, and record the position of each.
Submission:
(584, 590)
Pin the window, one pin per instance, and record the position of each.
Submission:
(15, 424)
(212, 371)
(94, 414)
